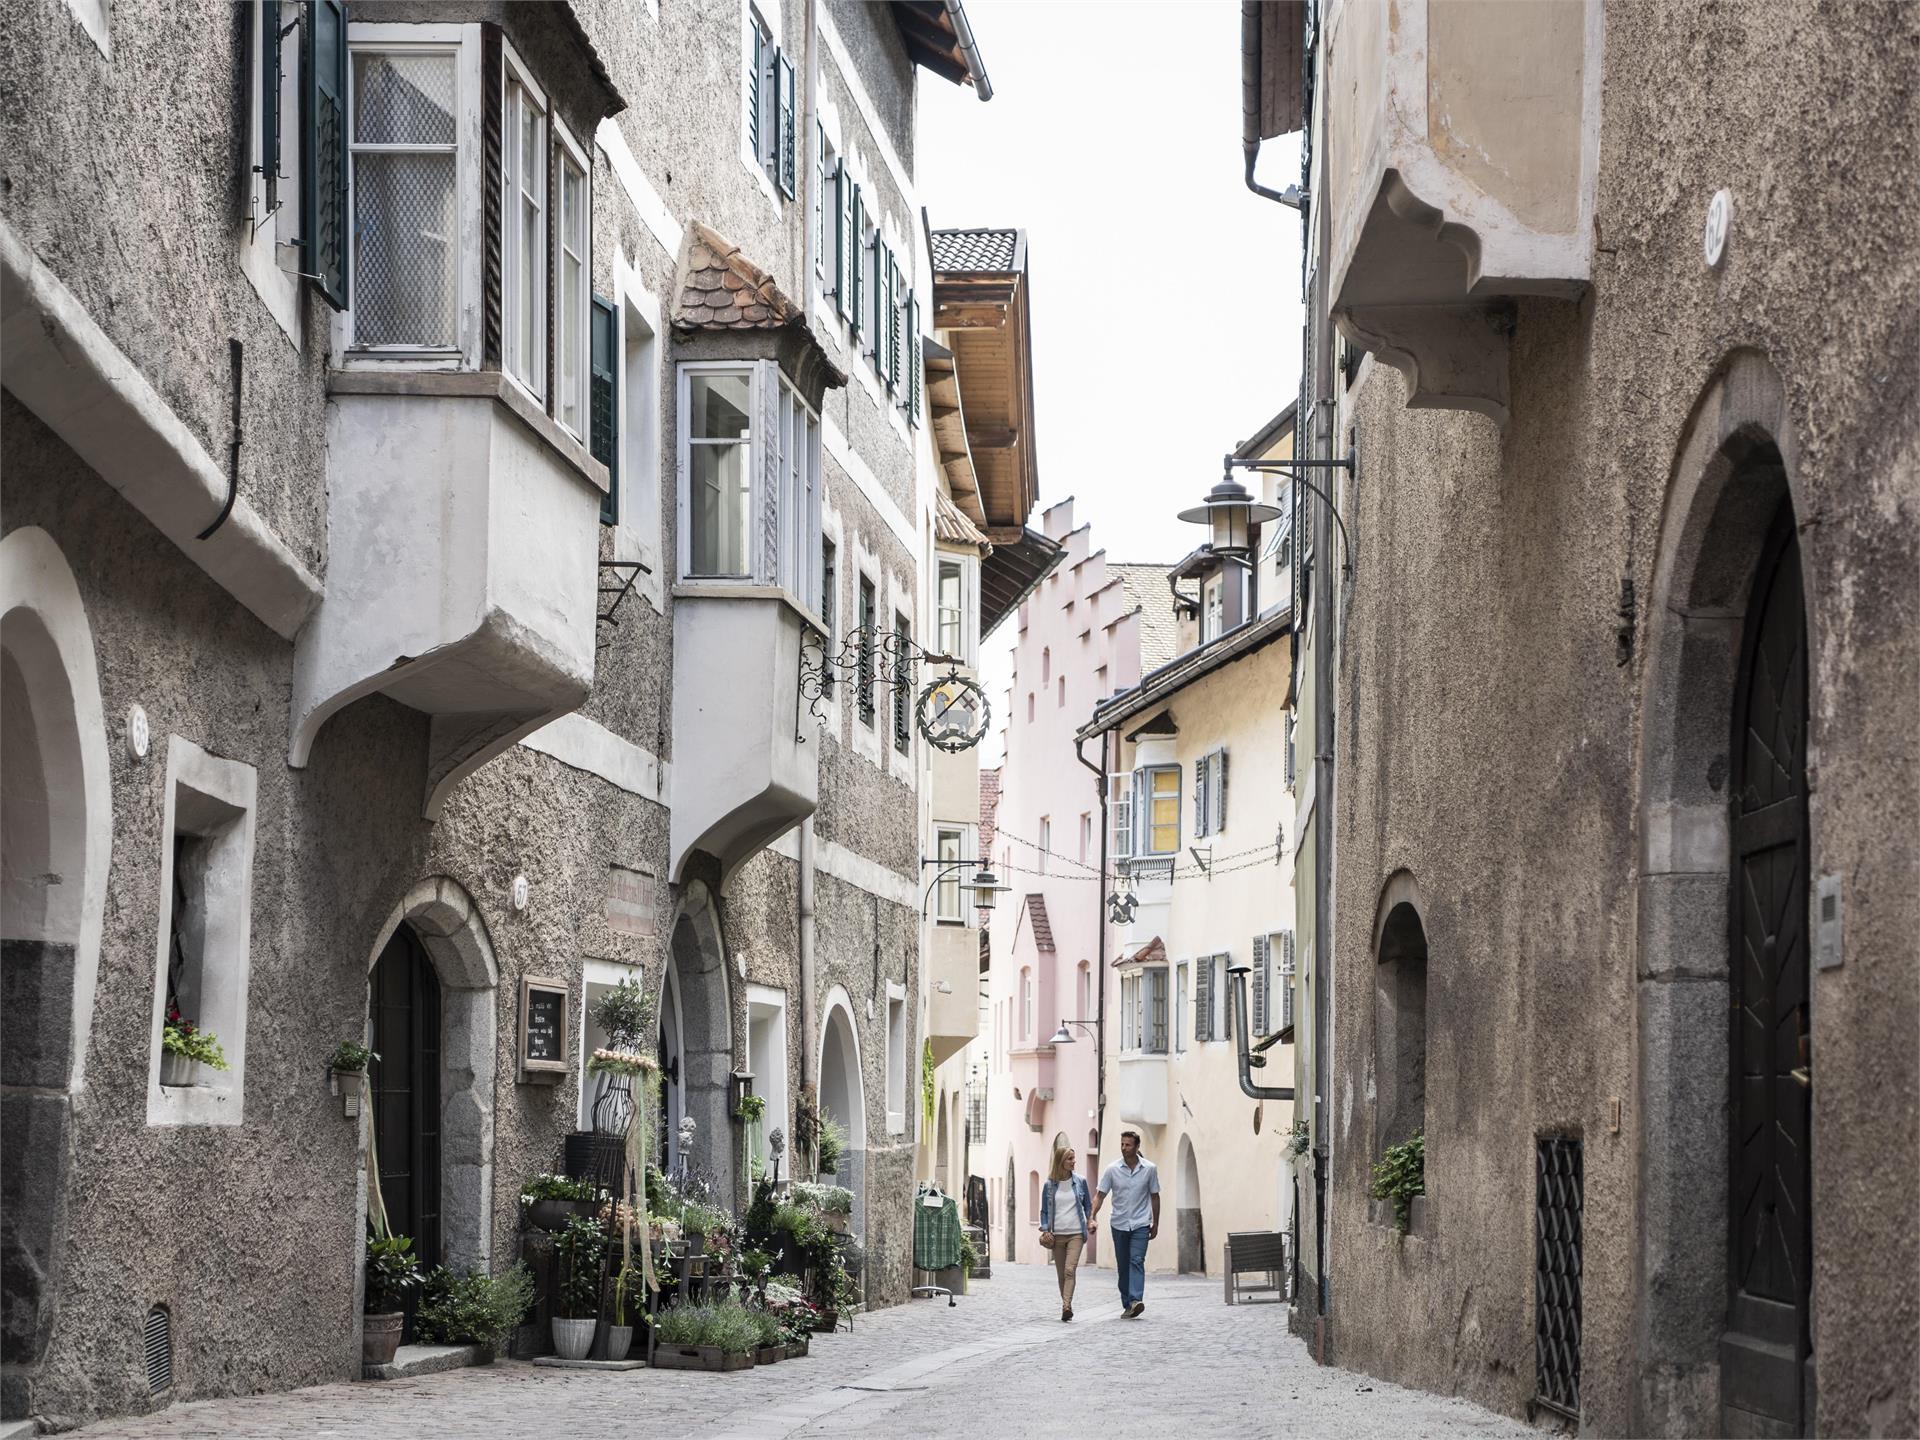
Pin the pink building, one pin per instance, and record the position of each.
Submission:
(1088, 630)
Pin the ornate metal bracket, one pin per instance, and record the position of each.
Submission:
(616, 579)
(889, 660)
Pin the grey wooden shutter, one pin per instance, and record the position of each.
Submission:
(1292, 721)
(1200, 810)
(1203, 998)
(1260, 956)
(855, 247)
(1287, 974)
(896, 306)
(269, 82)
(753, 94)
(324, 225)
(786, 155)
(603, 415)
(842, 229)
(820, 198)
(1227, 995)
(1217, 793)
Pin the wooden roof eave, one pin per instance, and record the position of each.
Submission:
(950, 438)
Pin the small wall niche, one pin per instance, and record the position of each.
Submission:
(203, 948)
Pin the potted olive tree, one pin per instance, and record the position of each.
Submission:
(576, 1313)
(392, 1276)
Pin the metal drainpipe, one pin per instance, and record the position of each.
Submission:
(1250, 103)
(1100, 971)
(807, 1034)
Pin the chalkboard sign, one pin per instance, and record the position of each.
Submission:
(543, 1029)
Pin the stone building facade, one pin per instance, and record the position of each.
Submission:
(1612, 701)
(419, 436)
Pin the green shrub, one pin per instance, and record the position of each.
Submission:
(1400, 1175)
(392, 1273)
(581, 1247)
(767, 1327)
(733, 1328)
(474, 1308)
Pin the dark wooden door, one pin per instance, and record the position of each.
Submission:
(406, 1093)
(1766, 1357)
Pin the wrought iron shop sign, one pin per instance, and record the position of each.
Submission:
(952, 710)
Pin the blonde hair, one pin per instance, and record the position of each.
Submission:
(1060, 1169)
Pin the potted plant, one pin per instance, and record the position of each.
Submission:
(969, 1257)
(831, 1146)
(348, 1072)
(717, 1336)
(550, 1201)
(576, 1312)
(620, 1328)
(797, 1319)
(183, 1047)
(473, 1308)
(832, 1205)
(771, 1346)
(392, 1275)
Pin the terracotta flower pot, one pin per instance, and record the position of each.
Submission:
(572, 1339)
(380, 1337)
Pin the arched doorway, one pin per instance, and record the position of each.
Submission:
(1190, 1236)
(1723, 990)
(404, 1082)
(843, 1095)
(431, 992)
(56, 835)
(696, 1025)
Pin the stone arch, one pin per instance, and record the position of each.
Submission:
(1734, 475)
(56, 842)
(1399, 1012)
(697, 998)
(1191, 1239)
(454, 934)
(843, 1091)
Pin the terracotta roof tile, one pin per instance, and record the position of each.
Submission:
(952, 527)
(720, 288)
(989, 809)
(1042, 927)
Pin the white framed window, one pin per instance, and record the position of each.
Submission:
(572, 283)
(1280, 943)
(767, 1059)
(1086, 835)
(1154, 1035)
(949, 847)
(896, 1060)
(1120, 789)
(950, 605)
(770, 121)
(1182, 980)
(1046, 842)
(1213, 607)
(1157, 806)
(204, 954)
(524, 187)
(274, 145)
(405, 110)
(731, 416)
(1130, 1011)
(1026, 1004)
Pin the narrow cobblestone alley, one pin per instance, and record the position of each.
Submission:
(1000, 1363)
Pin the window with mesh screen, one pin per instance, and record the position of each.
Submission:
(406, 208)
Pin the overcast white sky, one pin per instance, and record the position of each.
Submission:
(1166, 295)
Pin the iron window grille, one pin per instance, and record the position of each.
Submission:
(1559, 1189)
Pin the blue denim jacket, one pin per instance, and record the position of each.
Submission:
(1046, 1208)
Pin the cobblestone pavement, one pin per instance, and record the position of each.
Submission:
(1000, 1363)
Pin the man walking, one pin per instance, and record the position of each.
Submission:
(1134, 1185)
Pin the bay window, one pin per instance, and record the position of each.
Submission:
(525, 157)
(948, 843)
(951, 607)
(1157, 809)
(750, 467)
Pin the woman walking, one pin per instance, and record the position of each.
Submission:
(1064, 1208)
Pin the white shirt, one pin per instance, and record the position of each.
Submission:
(1132, 1210)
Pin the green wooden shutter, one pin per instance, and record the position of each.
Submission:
(820, 198)
(886, 329)
(856, 223)
(1200, 811)
(896, 315)
(915, 358)
(1218, 795)
(324, 219)
(269, 82)
(754, 132)
(842, 228)
(604, 416)
(788, 139)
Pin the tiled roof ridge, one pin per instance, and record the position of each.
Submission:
(1042, 927)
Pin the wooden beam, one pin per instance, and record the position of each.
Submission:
(993, 437)
(971, 317)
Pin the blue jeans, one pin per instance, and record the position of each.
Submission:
(1130, 1260)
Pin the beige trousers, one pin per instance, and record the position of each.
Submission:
(1066, 1265)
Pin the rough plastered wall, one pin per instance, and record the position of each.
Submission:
(1487, 740)
(210, 1220)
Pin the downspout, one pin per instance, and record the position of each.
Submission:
(807, 1030)
(1250, 104)
(976, 67)
(1100, 963)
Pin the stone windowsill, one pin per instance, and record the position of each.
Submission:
(747, 590)
(475, 385)
(1419, 1217)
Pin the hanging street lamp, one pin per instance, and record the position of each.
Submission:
(1230, 513)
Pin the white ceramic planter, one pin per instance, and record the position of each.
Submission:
(572, 1339)
(176, 1070)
